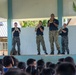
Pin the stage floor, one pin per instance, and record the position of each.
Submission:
(52, 58)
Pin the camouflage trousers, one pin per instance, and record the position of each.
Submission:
(40, 40)
(64, 44)
(16, 40)
(53, 37)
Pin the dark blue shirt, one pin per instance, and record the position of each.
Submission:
(16, 33)
(52, 26)
(39, 32)
(64, 34)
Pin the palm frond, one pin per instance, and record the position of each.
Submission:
(74, 7)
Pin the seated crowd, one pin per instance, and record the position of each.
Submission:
(9, 65)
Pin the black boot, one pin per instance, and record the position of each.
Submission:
(38, 53)
(19, 54)
(58, 51)
(52, 53)
(46, 53)
(63, 53)
(67, 52)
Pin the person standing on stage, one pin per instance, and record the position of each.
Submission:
(39, 38)
(64, 39)
(16, 39)
(53, 33)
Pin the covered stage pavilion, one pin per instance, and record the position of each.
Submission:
(23, 10)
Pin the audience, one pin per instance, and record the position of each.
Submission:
(48, 72)
(1, 61)
(69, 59)
(15, 62)
(53, 66)
(12, 73)
(1, 69)
(31, 65)
(22, 66)
(9, 65)
(48, 64)
(40, 66)
(65, 69)
(31, 62)
(61, 60)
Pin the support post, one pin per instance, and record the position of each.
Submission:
(9, 25)
(60, 17)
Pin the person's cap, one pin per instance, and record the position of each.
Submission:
(52, 14)
(15, 23)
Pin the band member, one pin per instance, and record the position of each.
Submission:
(39, 38)
(16, 39)
(53, 33)
(64, 39)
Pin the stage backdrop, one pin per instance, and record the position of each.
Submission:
(28, 41)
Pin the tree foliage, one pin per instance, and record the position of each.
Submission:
(74, 7)
(32, 23)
